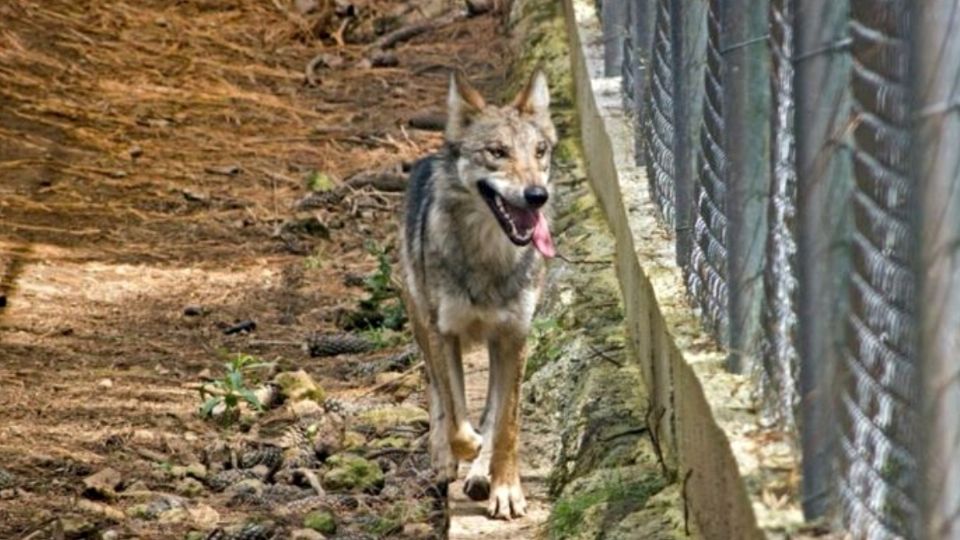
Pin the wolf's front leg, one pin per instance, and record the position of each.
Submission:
(477, 484)
(446, 370)
(464, 440)
(507, 362)
(444, 463)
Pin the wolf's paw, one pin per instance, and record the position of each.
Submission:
(507, 501)
(445, 466)
(477, 487)
(465, 443)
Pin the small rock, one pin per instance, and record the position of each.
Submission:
(102, 509)
(245, 490)
(306, 408)
(328, 439)
(384, 59)
(298, 385)
(6, 479)
(190, 487)
(196, 470)
(418, 530)
(76, 527)
(203, 516)
(193, 311)
(102, 485)
(353, 440)
(400, 386)
(349, 472)
(224, 170)
(144, 435)
(156, 508)
(173, 515)
(385, 418)
(135, 151)
(306, 534)
(321, 521)
(242, 326)
(392, 441)
(110, 534)
(306, 6)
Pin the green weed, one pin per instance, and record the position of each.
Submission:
(231, 389)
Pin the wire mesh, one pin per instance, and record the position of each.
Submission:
(878, 408)
(706, 275)
(780, 356)
(660, 126)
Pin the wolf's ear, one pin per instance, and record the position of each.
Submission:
(463, 104)
(534, 99)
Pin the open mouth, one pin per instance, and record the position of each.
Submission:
(517, 223)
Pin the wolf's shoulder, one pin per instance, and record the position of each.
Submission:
(419, 195)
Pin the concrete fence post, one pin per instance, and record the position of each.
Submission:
(824, 183)
(936, 165)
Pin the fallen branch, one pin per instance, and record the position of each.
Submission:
(410, 31)
(393, 381)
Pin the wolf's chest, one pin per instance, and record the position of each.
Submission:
(458, 315)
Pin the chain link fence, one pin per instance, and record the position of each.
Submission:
(806, 155)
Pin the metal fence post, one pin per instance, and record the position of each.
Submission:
(690, 36)
(936, 162)
(746, 86)
(824, 183)
(613, 17)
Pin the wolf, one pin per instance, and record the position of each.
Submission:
(475, 237)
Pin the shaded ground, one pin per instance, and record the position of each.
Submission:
(151, 158)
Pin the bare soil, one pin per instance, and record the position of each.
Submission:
(152, 157)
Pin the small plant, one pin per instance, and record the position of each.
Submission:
(231, 390)
(319, 181)
(382, 307)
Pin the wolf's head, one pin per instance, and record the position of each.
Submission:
(503, 156)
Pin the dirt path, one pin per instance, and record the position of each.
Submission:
(468, 519)
(152, 155)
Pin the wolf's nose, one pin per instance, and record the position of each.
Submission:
(536, 196)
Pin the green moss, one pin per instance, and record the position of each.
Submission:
(567, 520)
(544, 343)
(298, 385)
(321, 521)
(349, 472)
(385, 418)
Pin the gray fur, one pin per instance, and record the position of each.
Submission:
(457, 260)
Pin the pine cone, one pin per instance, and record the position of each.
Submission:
(224, 479)
(249, 531)
(336, 344)
(270, 456)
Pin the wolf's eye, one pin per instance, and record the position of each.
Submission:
(497, 152)
(541, 150)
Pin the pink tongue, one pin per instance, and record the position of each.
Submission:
(541, 237)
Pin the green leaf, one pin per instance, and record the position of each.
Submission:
(251, 398)
(235, 379)
(207, 408)
(318, 181)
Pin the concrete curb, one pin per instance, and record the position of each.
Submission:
(737, 477)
